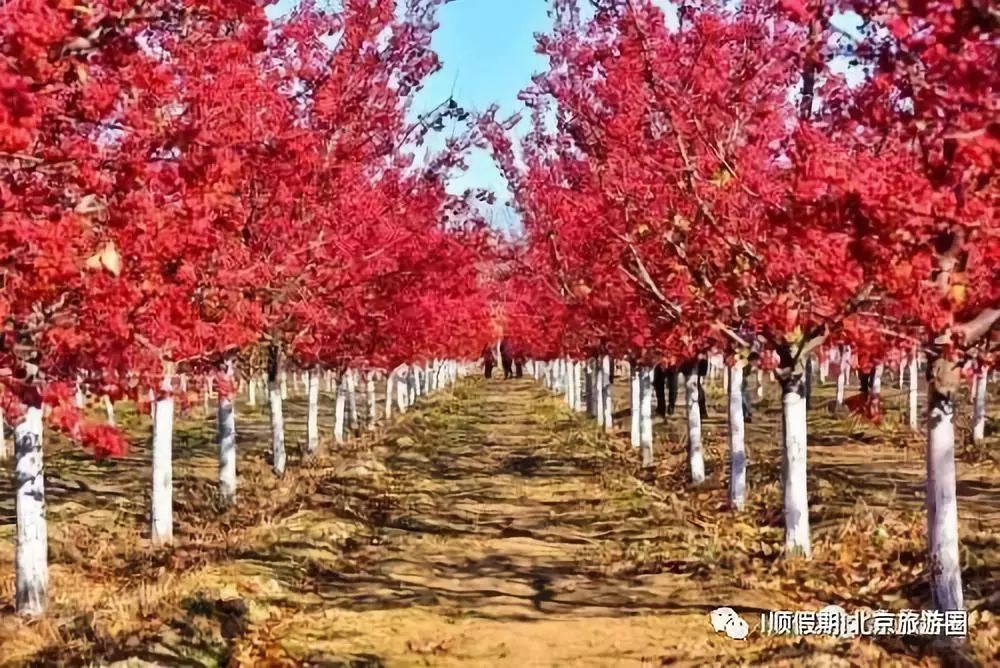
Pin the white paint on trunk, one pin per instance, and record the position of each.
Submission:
(312, 411)
(760, 383)
(942, 505)
(412, 383)
(225, 431)
(737, 439)
(794, 470)
(372, 401)
(841, 385)
(340, 410)
(277, 426)
(914, 382)
(401, 390)
(31, 555)
(609, 414)
(284, 384)
(388, 394)
(646, 416)
(352, 401)
(599, 391)
(590, 382)
(109, 410)
(252, 390)
(979, 406)
(696, 455)
(876, 387)
(162, 512)
(635, 409)
(4, 448)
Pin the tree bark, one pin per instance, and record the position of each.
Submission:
(646, 416)
(794, 469)
(226, 438)
(31, 556)
(609, 413)
(340, 409)
(162, 512)
(914, 381)
(109, 410)
(696, 455)
(312, 411)
(979, 406)
(274, 397)
(372, 401)
(737, 442)
(942, 503)
(635, 408)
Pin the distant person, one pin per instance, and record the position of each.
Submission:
(489, 361)
(519, 366)
(665, 385)
(507, 358)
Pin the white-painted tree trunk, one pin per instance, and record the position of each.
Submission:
(760, 383)
(352, 401)
(402, 392)
(646, 416)
(389, 389)
(696, 454)
(312, 411)
(412, 383)
(841, 384)
(284, 384)
(225, 434)
(590, 379)
(737, 440)
(609, 413)
(80, 400)
(162, 511)
(581, 390)
(794, 469)
(372, 401)
(4, 448)
(635, 410)
(252, 390)
(31, 555)
(599, 390)
(109, 410)
(914, 381)
(277, 423)
(876, 386)
(942, 505)
(979, 407)
(340, 409)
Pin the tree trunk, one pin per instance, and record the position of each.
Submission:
(942, 504)
(162, 512)
(737, 441)
(31, 556)
(402, 392)
(340, 409)
(388, 394)
(609, 413)
(352, 402)
(793, 467)
(252, 390)
(226, 436)
(841, 384)
(372, 401)
(590, 378)
(646, 416)
(914, 381)
(283, 379)
(4, 448)
(635, 408)
(312, 411)
(979, 407)
(412, 382)
(109, 410)
(599, 390)
(696, 455)
(274, 398)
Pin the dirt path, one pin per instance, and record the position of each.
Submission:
(487, 527)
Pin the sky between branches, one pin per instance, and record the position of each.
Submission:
(487, 49)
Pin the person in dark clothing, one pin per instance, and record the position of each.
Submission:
(519, 366)
(507, 358)
(665, 385)
(489, 361)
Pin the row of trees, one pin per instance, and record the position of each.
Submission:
(708, 180)
(189, 190)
